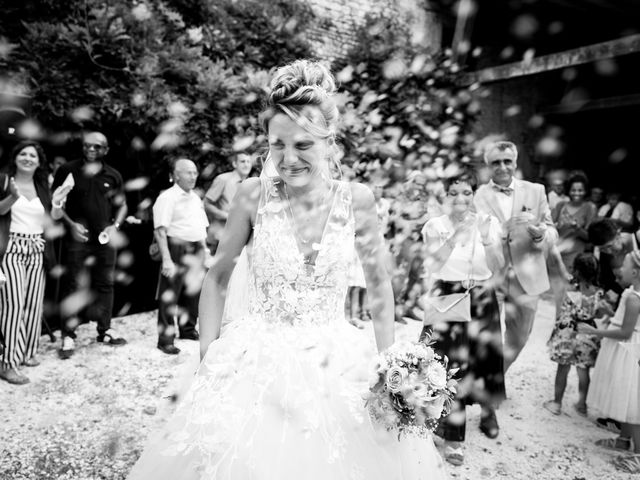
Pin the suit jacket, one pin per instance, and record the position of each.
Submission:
(528, 258)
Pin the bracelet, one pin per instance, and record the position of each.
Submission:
(117, 225)
(57, 205)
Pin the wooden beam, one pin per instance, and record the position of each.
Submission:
(594, 104)
(555, 61)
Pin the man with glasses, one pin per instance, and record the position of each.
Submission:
(528, 234)
(94, 210)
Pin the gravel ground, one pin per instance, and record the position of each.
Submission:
(87, 418)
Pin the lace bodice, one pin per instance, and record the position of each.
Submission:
(282, 287)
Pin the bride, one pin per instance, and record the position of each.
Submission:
(279, 392)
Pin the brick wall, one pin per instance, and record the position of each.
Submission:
(332, 36)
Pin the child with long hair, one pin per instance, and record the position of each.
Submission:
(615, 390)
(567, 347)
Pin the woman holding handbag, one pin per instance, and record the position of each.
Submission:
(463, 251)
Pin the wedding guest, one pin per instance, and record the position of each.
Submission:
(556, 190)
(218, 198)
(572, 218)
(93, 214)
(180, 225)
(25, 204)
(566, 346)
(463, 250)
(615, 389)
(612, 244)
(617, 210)
(528, 234)
(597, 197)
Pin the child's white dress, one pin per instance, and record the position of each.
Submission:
(615, 383)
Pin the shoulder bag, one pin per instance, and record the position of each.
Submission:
(454, 307)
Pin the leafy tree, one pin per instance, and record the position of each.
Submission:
(185, 77)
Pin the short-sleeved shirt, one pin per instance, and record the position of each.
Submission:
(223, 189)
(182, 214)
(96, 195)
(622, 211)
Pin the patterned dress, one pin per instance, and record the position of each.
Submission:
(280, 394)
(566, 345)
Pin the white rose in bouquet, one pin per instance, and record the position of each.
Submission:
(436, 375)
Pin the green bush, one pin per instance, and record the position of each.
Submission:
(179, 77)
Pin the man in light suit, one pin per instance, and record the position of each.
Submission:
(528, 234)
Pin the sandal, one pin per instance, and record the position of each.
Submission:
(609, 424)
(628, 463)
(618, 443)
(455, 456)
(553, 407)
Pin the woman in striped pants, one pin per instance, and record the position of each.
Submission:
(25, 206)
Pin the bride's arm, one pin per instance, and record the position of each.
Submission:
(237, 233)
(373, 255)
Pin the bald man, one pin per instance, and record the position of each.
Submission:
(96, 205)
(180, 224)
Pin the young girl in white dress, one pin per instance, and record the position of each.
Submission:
(279, 392)
(615, 386)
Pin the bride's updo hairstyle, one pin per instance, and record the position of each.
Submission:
(303, 91)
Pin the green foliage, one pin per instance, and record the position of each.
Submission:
(403, 106)
(182, 76)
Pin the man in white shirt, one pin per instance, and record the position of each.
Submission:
(217, 201)
(528, 234)
(180, 225)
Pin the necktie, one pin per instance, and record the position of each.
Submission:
(506, 190)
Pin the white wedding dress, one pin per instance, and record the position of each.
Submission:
(279, 396)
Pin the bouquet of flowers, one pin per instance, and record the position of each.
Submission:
(411, 388)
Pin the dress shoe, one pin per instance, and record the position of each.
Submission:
(190, 336)
(68, 348)
(489, 424)
(12, 375)
(31, 362)
(169, 349)
(110, 337)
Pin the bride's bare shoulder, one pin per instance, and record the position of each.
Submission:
(362, 196)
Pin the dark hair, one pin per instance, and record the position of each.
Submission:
(586, 268)
(464, 176)
(602, 231)
(577, 178)
(40, 176)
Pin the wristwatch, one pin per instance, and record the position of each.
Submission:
(117, 225)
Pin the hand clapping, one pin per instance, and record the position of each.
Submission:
(14, 191)
(59, 196)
